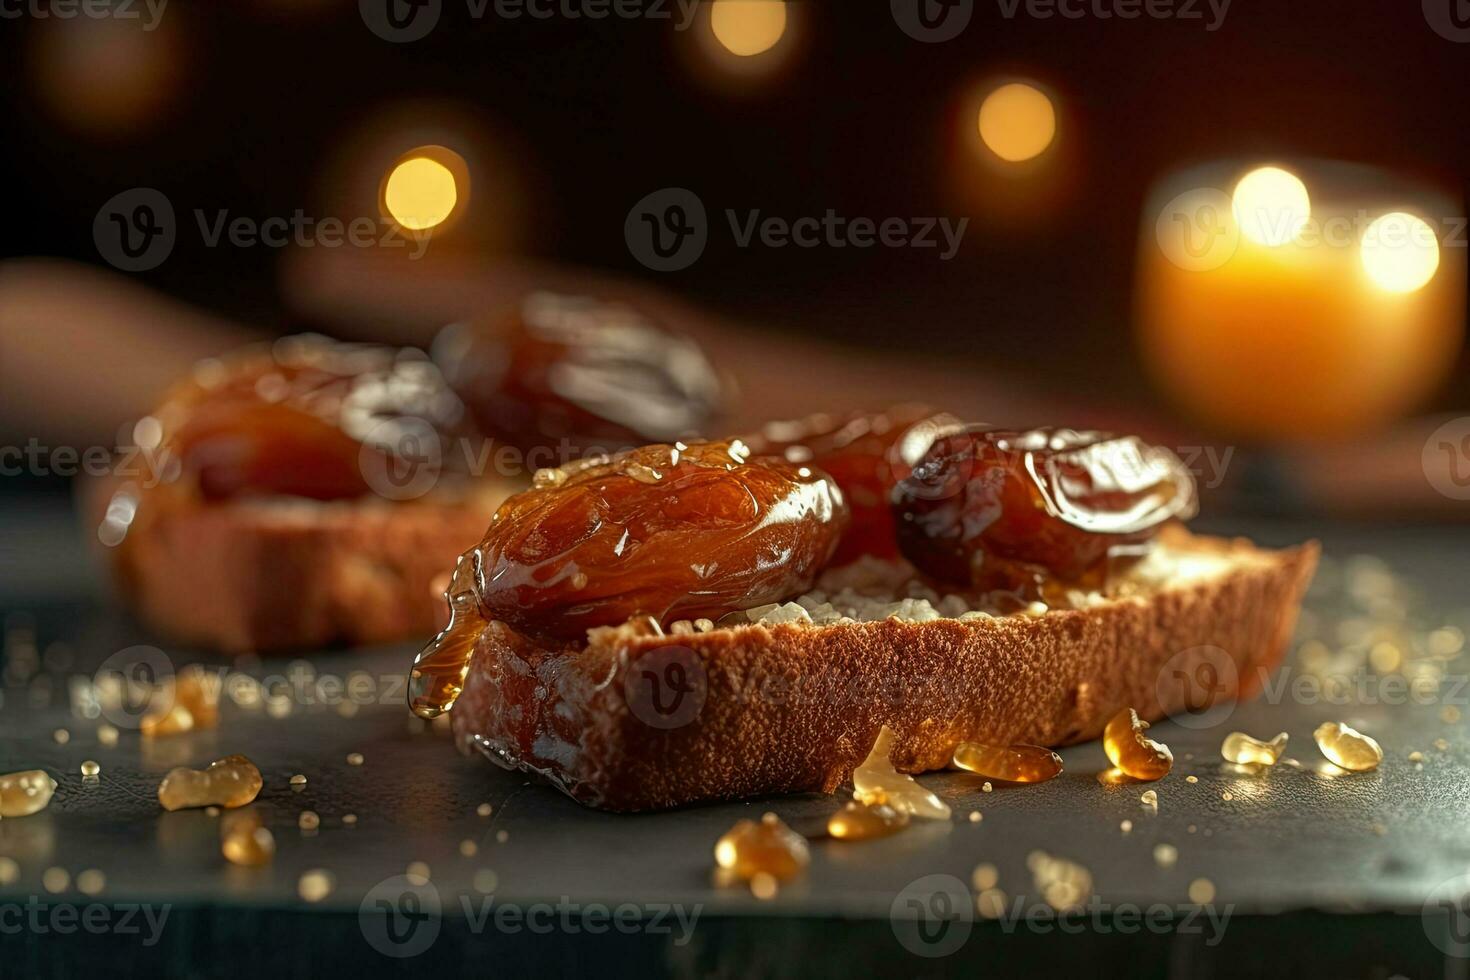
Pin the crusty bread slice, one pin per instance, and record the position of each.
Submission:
(796, 707)
(271, 574)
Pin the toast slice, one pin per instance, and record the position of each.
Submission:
(280, 573)
(635, 719)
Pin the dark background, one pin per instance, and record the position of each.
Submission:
(861, 119)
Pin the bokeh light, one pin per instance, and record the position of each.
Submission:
(108, 77)
(422, 189)
(748, 27)
(1017, 122)
(1271, 205)
(1400, 252)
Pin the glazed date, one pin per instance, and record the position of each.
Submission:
(668, 531)
(1004, 509)
(304, 418)
(866, 453)
(596, 375)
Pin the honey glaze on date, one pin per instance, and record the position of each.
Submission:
(866, 453)
(1033, 513)
(666, 531)
(305, 417)
(596, 374)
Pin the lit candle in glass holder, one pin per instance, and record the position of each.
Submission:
(1301, 300)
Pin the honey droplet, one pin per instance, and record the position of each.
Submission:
(1062, 883)
(55, 880)
(1244, 750)
(991, 903)
(417, 873)
(1348, 748)
(984, 876)
(1130, 750)
(877, 781)
(308, 820)
(25, 793)
(229, 782)
(1014, 763)
(174, 721)
(1149, 798)
(860, 821)
(106, 736)
(90, 770)
(354, 758)
(91, 882)
(315, 885)
(298, 780)
(1201, 891)
(1165, 855)
(197, 689)
(765, 846)
(438, 673)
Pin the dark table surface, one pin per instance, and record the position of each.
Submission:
(1312, 870)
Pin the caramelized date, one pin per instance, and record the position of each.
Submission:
(671, 532)
(300, 419)
(866, 453)
(597, 375)
(1002, 509)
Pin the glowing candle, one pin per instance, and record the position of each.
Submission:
(1299, 300)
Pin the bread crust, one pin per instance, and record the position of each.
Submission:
(792, 708)
(286, 573)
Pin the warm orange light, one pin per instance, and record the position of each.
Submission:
(420, 192)
(1400, 252)
(1308, 327)
(1271, 205)
(748, 27)
(1017, 122)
